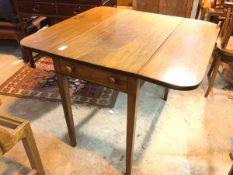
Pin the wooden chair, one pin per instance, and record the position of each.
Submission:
(210, 8)
(224, 46)
(13, 130)
(231, 170)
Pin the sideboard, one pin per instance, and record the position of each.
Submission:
(181, 8)
(55, 10)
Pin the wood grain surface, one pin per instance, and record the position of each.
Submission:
(170, 51)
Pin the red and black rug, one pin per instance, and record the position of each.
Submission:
(41, 83)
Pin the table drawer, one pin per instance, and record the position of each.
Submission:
(95, 75)
(37, 8)
(72, 9)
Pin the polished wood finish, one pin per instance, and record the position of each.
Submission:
(181, 8)
(66, 101)
(167, 37)
(12, 131)
(224, 48)
(110, 47)
(133, 94)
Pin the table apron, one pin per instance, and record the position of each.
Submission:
(92, 74)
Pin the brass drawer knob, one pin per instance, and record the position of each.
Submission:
(36, 9)
(113, 80)
(69, 69)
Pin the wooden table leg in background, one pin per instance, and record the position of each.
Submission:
(66, 103)
(133, 93)
(27, 56)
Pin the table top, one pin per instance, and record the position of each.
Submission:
(170, 51)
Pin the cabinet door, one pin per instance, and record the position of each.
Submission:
(146, 5)
(175, 7)
(168, 7)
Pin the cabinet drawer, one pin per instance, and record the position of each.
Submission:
(37, 8)
(49, 1)
(72, 9)
(95, 75)
(67, 1)
(94, 2)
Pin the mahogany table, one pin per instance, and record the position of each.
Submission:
(118, 48)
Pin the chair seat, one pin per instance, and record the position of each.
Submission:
(216, 12)
(227, 52)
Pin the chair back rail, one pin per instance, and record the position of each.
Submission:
(227, 27)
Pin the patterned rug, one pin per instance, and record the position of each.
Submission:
(41, 83)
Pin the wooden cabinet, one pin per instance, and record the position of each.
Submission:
(57, 8)
(181, 8)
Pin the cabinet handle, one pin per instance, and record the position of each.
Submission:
(69, 69)
(113, 80)
(77, 10)
(36, 9)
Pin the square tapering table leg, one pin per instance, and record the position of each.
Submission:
(133, 93)
(66, 103)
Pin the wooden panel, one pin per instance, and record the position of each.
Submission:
(94, 75)
(181, 8)
(67, 1)
(124, 2)
(172, 7)
(146, 5)
(37, 8)
(72, 9)
(182, 61)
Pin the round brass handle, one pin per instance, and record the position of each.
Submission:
(36, 9)
(112, 79)
(76, 11)
(69, 69)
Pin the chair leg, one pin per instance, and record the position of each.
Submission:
(203, 14)
(166, 91)
(212, 67)
(213, 77)
(231, 171)
(198, 11)
(28, 57)
(32, 151)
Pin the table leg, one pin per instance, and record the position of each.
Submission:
(66, 103)
(133, 92)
